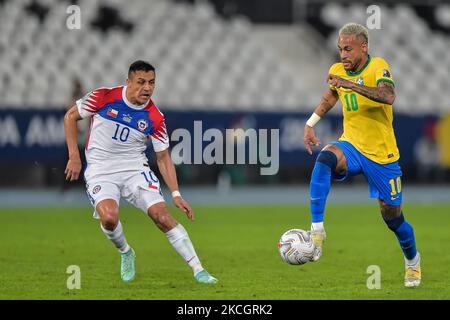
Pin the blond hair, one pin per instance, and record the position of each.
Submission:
(355, 29)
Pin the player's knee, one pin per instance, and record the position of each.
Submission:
(164, 222)
(392, 215)
(110, 219)
(328, 158)
(394, 223)
(390, 212)
(110, 222)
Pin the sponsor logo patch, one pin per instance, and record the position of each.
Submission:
(386, 73)
(96, 189)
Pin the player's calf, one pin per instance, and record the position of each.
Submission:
(320, 183)
(401, 228)
(180, 241)
(326, 163)
(161, 217)
(108, 211)
(394, 219)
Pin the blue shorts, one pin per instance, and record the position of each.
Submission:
(384, 179)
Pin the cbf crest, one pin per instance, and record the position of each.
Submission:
(359, 81)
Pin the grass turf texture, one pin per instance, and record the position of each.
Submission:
(238, 245)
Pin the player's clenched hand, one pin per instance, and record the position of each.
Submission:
(310, 139)
(338, 82)
(73, 169)
(184, 206)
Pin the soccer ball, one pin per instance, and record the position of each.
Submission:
(296, 247)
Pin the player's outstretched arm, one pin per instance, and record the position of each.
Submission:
(73, 167)
(383, 93)
(327, 102)
(169, 174)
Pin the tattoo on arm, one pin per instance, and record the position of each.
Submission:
(384, 93)
(326, 103)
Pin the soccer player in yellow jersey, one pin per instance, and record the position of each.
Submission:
(365, 87)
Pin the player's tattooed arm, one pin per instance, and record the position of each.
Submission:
(384, 93)
(327, 102)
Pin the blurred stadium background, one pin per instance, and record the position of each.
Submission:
(231, 64)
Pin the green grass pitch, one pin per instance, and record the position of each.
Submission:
(238, 245)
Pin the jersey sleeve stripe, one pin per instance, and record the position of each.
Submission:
(162, 140)
(89, 107)
(385, 80)
(89, 110)
(161, 137)
(90, 103)
(89, 135)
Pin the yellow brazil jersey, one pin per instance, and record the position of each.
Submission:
(367, 124)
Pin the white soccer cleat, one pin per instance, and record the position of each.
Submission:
(318, 236)
(413, 273)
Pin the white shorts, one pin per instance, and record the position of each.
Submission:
(139, 188)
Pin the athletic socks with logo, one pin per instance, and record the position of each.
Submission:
(117, 237)
(179, 239)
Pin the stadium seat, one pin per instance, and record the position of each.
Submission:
(195, 50)
(402, 44)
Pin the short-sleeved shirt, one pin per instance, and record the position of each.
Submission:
(367, 123)
(120, 130)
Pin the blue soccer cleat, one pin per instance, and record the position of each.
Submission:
(127, 271)
(204, 277)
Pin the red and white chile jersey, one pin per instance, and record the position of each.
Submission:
(119, 131)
